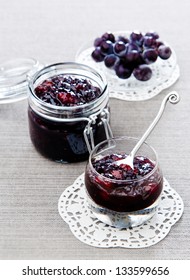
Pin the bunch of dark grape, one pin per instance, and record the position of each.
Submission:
(132, 55)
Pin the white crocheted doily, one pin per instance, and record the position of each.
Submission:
(165, 74)
(74, 210)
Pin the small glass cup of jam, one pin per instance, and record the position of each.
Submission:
(68, 111)
(118, 195)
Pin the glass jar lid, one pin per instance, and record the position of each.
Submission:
(13, 78)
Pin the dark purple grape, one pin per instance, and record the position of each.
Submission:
(142, 72)
(122, 71)
(123, 39)
(133, 46)
(132, 56)
(119, 48)
(152, 34)
(97, 55)
(110, 60)
(164, 52)
(136, 37)
(109, 36)
(98, 41)
(149, 42)
(106, 47)
(150, 55)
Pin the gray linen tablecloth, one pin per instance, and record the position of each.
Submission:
(30, 185)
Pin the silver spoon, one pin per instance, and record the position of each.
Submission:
(172, 97)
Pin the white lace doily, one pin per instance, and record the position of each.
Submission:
(165, 74)
(87, 228)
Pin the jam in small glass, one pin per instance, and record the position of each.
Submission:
(118, 195)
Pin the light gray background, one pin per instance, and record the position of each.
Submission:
(30, 185)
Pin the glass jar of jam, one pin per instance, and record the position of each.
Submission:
(68, 111)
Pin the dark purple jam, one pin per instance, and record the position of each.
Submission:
(62, 90)
(63, 142)
(128, 190)
(57, 139)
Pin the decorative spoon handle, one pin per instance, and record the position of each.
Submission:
(172, 97)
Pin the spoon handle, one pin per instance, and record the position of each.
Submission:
(172, 97)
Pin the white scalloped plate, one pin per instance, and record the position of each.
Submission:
(74, 210)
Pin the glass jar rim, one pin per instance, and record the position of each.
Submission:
(52, 67)
(126, 180)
